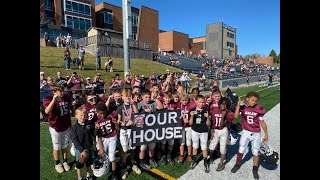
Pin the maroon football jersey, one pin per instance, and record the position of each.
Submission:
(214, 105)
(76, 81)
(107, 127)
(59, 118)
(172, 105)
(251, 116)
(185, 111)
(216, 115)
(91, 111)
(193, 103)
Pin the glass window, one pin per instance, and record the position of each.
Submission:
(48, 5)
(75, 7)
(230, 35)
(69, 22)
(134, 19)
(87, 10)
(68, 5)
(107, 17)
(88, 24)
(76, 23)
(81, 8)
(231, 45)
(230, 52)
(134, 35)
(82, 24)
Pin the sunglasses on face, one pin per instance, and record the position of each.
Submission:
(92, 99)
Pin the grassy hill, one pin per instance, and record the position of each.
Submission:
(51, 61)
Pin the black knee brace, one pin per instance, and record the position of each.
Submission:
(79, 165)
(89, 162)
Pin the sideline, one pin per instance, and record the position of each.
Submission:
(163, 175)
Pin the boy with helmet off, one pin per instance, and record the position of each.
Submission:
(251, 120)
(82, 139)
(220, 118)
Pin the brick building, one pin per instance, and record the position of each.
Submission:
(145, 22)
(60, 17)
(177, 41)
(265, 60)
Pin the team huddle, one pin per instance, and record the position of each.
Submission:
(104, 126)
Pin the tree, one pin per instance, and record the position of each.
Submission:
(278, 61)
(247, 57)
(255, 55)
(274, 55)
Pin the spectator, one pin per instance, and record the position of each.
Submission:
(61, 81)
(44, 92)
(98, 59)
(127, 82)
(67, 58)
(118, 80)
(42, 77)
(46, 38)
(88, 86)
(270, 78)
(58, 41)
(69, 40)
(109, 63)
(136, 81)
(81, 53)
(50, 81)
(185, 79)
(99, 82)
(75, 83)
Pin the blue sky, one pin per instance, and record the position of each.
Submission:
(257, 21)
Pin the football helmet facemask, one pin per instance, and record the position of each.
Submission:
(232, 138)
(101, 166)
(267, 154)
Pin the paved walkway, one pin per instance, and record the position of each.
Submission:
(266, 171)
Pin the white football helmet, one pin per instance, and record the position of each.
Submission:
(101, 166)
(232, 139)
(73, 150)
(267, 154)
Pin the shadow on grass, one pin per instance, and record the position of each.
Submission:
(51, 66)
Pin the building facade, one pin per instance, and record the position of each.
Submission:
(221, 41)
(60, 17)
(145, 22)
(201, 41)
(177, 41)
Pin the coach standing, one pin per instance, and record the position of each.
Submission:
(57, 106)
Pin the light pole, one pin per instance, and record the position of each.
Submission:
(126, 19)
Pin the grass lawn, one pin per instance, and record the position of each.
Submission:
(51, 61)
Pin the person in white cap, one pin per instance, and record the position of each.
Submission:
(185, 79)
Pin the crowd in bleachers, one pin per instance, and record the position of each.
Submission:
(219, 69)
